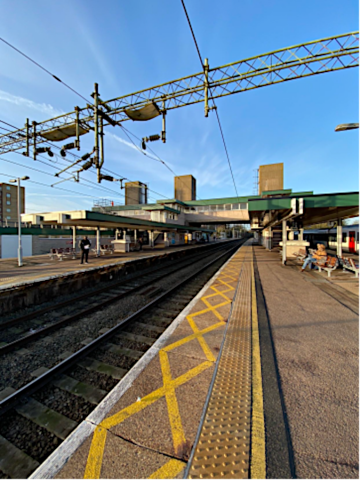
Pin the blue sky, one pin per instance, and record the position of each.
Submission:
(130, 45)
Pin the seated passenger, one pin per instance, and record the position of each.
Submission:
(319, 257)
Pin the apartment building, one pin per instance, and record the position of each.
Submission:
(8, 202)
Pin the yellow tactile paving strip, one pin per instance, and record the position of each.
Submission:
(177, 367)
(234, 423)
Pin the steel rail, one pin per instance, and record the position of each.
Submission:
(108, 287)
(87, 311)
(299, 61)
(10, 401)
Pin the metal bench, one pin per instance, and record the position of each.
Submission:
(61, 253)
(300, 255)
(349, 264)
(329, 266)
(104, 249)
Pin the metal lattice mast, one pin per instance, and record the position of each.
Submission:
(299, 61)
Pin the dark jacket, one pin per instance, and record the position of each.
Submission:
(85, 242)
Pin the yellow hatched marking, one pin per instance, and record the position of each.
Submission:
(258, 456)
(169, 470)
(172, 404)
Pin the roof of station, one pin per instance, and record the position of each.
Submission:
(306, 207)
(86, 218)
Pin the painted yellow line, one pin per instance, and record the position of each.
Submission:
(193, 336)
(177, 429)
(94, 462)
(173, 467)
(257, 457)
(170, 470)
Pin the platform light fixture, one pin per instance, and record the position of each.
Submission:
(17, 180)
(346, 126)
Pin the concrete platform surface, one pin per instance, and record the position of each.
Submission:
(314, 326)
(146, 426)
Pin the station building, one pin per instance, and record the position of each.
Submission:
(276, 216)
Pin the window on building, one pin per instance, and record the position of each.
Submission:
(8, 203)
(235, 206)
(9, 218)
(228, 207)
(212, 207)
(243, 206)
(344, 235)
(8, 188)
(8, 195)
(8, 210)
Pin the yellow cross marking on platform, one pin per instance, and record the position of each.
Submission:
(168, 390)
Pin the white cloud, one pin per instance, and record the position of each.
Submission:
(29, 104)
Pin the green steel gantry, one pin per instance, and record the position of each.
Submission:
(299, 61)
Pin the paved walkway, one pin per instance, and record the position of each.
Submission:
(314, 326)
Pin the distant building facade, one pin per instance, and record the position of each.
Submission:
(135, 193)
(271, 177)
(185, 188)
(8, 202)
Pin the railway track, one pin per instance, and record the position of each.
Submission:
(19, 331)
(37, 417)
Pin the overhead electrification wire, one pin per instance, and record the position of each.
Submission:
(78, 157)
(65, 159)
(158, 159)
(49, 174)
(77, 93)
(49, 186)
(216, 111)
(43, 68)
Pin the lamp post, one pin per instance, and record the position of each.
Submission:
(346, 126)
(17, 180)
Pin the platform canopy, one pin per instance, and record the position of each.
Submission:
(304, 209)
(86, 218)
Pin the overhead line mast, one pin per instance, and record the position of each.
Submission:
(312, 58)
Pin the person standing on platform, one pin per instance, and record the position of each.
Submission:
(85, 245)
(140, 243)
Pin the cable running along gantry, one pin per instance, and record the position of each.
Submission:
(299, 61)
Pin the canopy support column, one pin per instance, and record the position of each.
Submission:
(301, 234)
(284, 240)
(339, 238)
(74, 238)
(97, 241)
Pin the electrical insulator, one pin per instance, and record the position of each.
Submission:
(45, 150)
(107, 177)
(68, 146)
(86, 156)
(87, 165)
(153, 138)
(143, 144)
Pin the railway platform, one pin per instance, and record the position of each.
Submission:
(41, 267)
(256, 378)
(42, 279)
